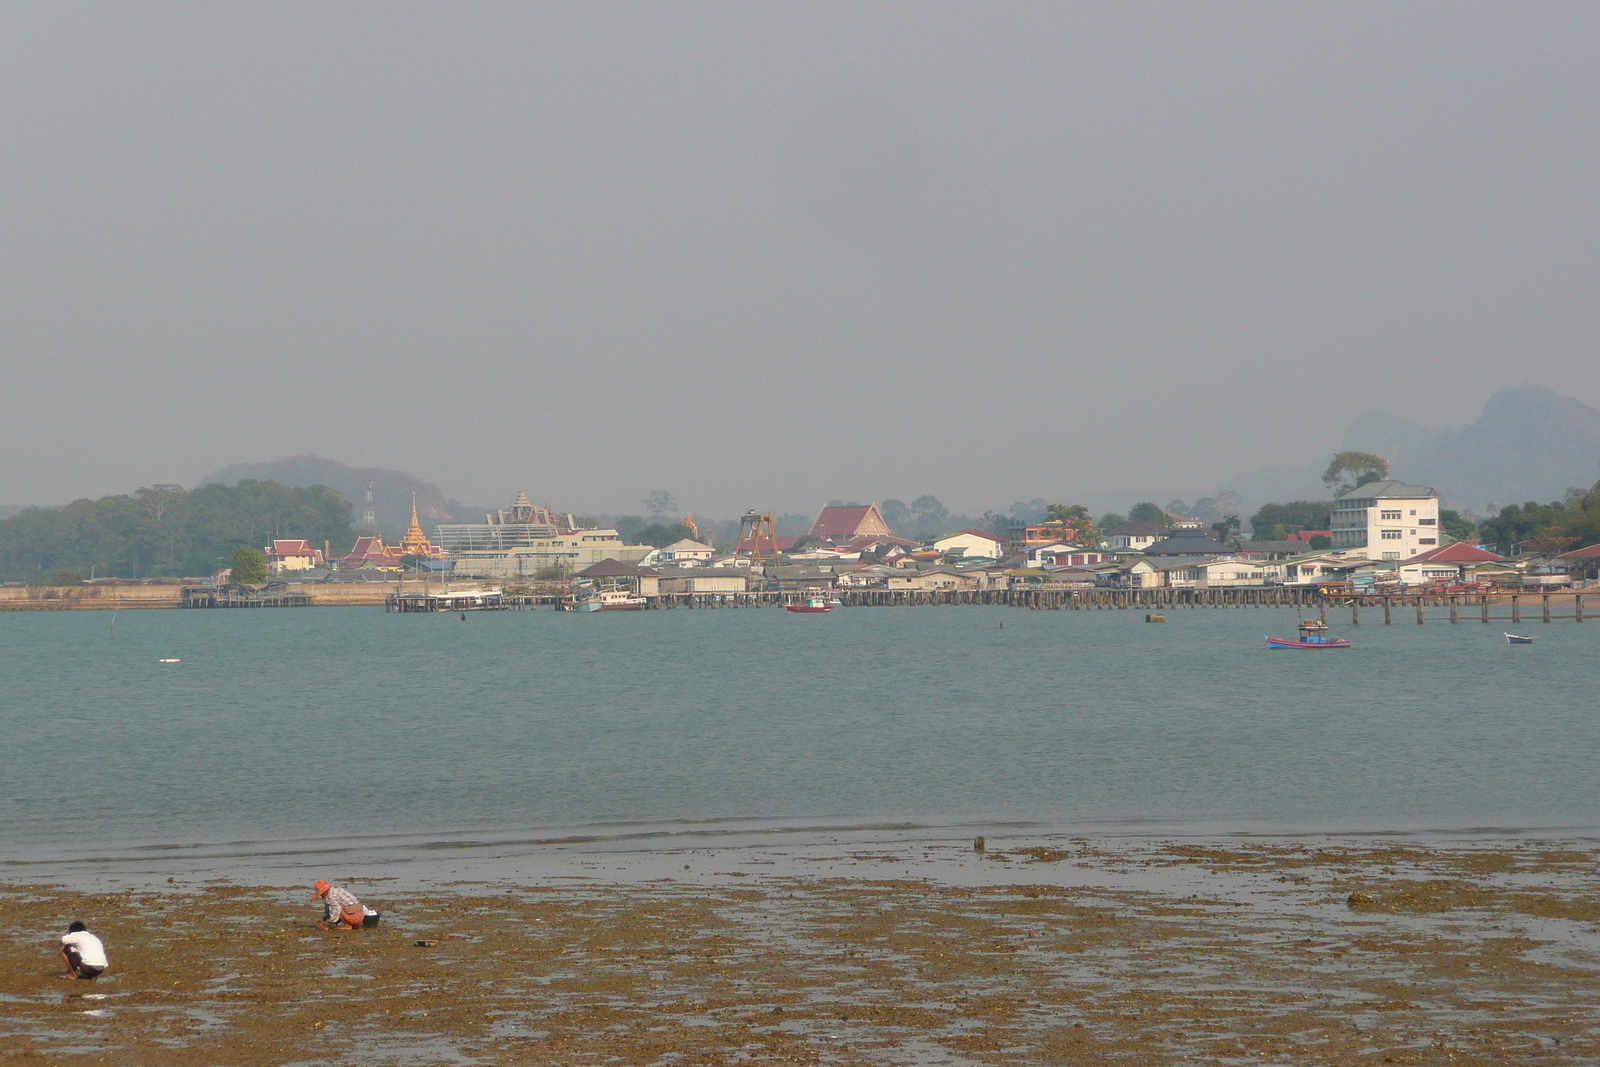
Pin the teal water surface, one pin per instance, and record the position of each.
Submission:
(333, 723)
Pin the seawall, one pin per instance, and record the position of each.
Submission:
(112, 597)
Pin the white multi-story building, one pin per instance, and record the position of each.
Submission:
(569, 553)
(686, 553)
(1386, 520)
(1136, 536)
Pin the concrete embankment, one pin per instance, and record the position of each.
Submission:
(69, 598)
(62, 598)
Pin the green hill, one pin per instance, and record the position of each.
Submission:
(391, 491)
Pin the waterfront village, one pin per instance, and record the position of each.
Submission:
(1382, 536)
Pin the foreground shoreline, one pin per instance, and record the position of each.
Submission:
(1040, 949)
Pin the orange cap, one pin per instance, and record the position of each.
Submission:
(321, 887)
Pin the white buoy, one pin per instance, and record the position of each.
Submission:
(168, 661)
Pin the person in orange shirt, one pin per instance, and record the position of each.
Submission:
(340, 907)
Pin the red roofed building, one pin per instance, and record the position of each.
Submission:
(1581, 561)
(370, 552)
(1454, 562)
(291, 555)
(846, 523)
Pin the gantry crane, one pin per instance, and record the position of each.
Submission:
(763, 544)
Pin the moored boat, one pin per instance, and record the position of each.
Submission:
(622, 600)
(1313, 634)
(812, 605)
(592, 599)
(1518, 639)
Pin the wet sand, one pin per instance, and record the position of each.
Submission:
(1050, 950)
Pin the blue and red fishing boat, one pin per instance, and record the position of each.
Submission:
(1313, 634)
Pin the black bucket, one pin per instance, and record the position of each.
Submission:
(372, 918)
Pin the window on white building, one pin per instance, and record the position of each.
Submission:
(1391, 535)
(1391, 555)
(1390, 514)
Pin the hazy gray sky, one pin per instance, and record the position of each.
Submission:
(764, 255)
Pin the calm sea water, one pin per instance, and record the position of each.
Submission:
(284, 725)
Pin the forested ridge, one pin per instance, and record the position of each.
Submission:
(167, 530)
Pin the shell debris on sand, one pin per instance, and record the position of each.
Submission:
(1159, 954)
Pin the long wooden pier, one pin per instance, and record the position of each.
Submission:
(1481, 606)
(211, 597)
(412, 603)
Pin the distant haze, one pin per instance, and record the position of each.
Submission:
(771, 255)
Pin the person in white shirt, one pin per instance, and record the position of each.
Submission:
(85, 955)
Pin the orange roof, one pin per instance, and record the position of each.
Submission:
(843, 522)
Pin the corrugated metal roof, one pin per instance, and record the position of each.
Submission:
(1388, 489)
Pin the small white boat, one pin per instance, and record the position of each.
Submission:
(167, 661)
(1518, 639)
(607, 600)
(622, 600)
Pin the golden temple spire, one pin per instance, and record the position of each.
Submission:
(415, 542)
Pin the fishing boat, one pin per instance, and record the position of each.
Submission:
(614, 599)
(1313, 634)
(812, 605)
(1518, 639)
(622, 600)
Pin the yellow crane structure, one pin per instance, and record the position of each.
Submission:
(763, 544)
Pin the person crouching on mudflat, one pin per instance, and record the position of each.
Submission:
(340, 907)
(84, 953)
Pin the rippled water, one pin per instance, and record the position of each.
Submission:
(350, 723)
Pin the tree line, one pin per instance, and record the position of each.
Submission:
(167, 530)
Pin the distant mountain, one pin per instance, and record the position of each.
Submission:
(8, 510)
(1530, 443)
(391, 491)
(1398, 440)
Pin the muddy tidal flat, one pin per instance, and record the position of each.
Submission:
(1050, 951)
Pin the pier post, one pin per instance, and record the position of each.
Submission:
(1483, 602)
(1577, 607)
(1516, 608)
(1355, 612)
(1547, 607)
(1388, 610)
(1419, 611)
(1454, 604)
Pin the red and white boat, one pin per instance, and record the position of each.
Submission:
(813, 604)
(1313, 634)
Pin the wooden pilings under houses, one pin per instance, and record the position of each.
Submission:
(206, 596)
(1454, 607)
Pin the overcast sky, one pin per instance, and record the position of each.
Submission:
(763, 255)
